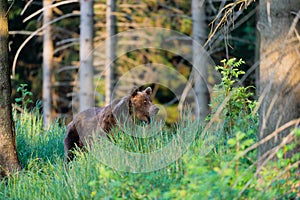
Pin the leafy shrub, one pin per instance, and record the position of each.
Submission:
(235, 101)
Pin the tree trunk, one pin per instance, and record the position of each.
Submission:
(110, 48)
(279, 68)
(8, 154)
(47, 64)
(199, 60)
(86, 70)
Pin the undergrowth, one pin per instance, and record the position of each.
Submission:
(215, 164)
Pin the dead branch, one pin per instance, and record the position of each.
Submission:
(48, 7)
(61, 48)
(294, 123)
(34, 34)
(284, 141)
(294, 24)
(282, 173)
(226, 11)
(23, 33)
(68, 40)
(67, 68)
(26, 6)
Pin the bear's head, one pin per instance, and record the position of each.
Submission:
(137, 105)
(141, 106)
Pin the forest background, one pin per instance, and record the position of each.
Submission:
(254, 108)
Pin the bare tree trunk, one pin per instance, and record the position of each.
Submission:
(279, 67)
(8, 154)
(47, 64)
(199, 60)
(110, 48)
(86, 70)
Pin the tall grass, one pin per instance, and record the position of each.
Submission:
(47, 176)
(205, 171)
(35, 143)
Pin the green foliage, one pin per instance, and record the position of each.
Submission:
(217, 175)
(238, 105)
(230, 73)
(35, 143)
(26, 96)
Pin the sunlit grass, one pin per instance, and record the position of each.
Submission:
(33, 142)
(205, 171)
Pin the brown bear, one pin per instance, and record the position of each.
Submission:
(136, 106)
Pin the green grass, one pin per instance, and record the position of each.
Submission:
(206, 170)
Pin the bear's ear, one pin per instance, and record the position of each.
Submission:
(134, 91)
(148, 91)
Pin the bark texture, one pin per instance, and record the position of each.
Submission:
(47, 64)
(8, 155)
(279, 67)
(199, 59)
(86, 70)
(110, 48)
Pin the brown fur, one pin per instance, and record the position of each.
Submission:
(135, 106)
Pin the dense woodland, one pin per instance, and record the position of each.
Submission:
(129, 15)
(231, 91)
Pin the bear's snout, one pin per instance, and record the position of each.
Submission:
(153, 110)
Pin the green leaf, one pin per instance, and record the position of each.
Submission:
(240, 135)
(18, 100)
(231, 142)
(297, 133)
(280, 153)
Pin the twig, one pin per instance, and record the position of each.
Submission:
(269, 13)
(285, 140)
(26, 6)
(281, 173)
(228, 9)
(217, 113)
(66, 68)
(9, 8)
(48, 7)
(15, 106)
(252, 165)
(32, 35)
(68, 40)
(212, 6)
(185, 92)
(218, 36)
(65, 47)
(294, 24)
(294, 122)
(172, 101)
(22, 33)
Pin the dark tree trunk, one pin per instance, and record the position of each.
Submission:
(8, 155)
(279, 68)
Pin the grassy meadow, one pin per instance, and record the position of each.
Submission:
(206, 170)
